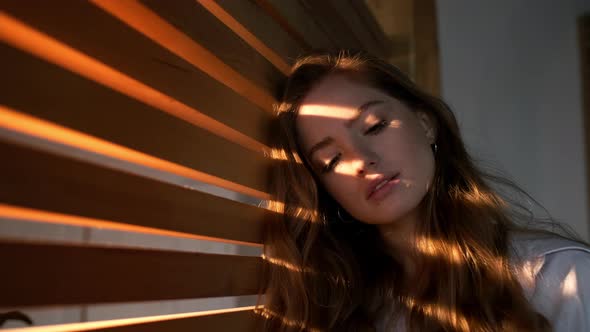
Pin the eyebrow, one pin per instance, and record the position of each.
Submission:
(329, 140)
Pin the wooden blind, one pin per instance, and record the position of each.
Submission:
(182, 87)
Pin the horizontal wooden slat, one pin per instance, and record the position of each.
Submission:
(39, 274)
(241, 31)
(335, 26)
(199, 24)
(294, 18)
(348, 15)
(152, 25)
(90, 30)
(241, 319)
(329, 24)
(62, 97)
(43, 181)
(262, 25)
(396, 19)
(370, 23)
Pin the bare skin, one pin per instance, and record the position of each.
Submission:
(387, 138)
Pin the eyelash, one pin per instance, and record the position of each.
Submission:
(374, 130)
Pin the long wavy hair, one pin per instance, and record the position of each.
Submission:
(325, 273)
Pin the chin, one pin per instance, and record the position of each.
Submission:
(391, 212)
(382, 219)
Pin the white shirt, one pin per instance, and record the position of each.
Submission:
(555, 276)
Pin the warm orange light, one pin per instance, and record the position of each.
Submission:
(246, 35)
(26, 38)
(438, 249)
(327, 111)
(475, 196)
(281, 154)
(452, 253)
(268, 314)
(23, 123)
(89, 326)
(27, 214)
(160, 31)
(285, 264)
(326, 114)
(294, 212)
(445, 315)
(336, 112)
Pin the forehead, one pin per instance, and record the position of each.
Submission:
(339, 90)
(330, 104)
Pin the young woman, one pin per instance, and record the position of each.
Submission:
(386, 223)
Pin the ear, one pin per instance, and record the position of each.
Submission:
(428, 124)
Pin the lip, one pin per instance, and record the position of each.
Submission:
(371, 187)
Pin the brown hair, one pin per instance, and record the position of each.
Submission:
(325, 275)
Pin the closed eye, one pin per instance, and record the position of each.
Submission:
(374, 130)
(331, 164)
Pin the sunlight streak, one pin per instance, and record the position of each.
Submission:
(338, 113)
(269, 314)
(328, 111)
(246, 35)
(475, 196)
(36, 127)
(281, 154)
(569, 286)
(285, 264)
(48, 217)
(445, 315)
(19, 35)
(293, 212)
(454, 254)
(149, 23)
(115, 323)
(439, 249)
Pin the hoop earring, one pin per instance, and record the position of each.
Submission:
(340, 217)
(357, 233)
(434, 148)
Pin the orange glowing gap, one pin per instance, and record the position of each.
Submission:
(34, 215)
(32, 126)
(246, 35)
(24, 37)
(142, 19)
(89, 326)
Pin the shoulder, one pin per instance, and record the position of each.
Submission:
(554, 273)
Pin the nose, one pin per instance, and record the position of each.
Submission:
(362, 170)
(363, 156)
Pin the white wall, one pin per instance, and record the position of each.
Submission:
(511, 72)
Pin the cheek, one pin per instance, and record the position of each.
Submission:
(410, 153)
(399, 147)
(419, 154)
(344, 191)
(421, 168)
(340, 188)
(427, 168)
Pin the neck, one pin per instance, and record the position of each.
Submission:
(399, 238)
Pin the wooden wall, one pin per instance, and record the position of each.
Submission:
(134, 143)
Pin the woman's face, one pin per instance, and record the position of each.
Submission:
(370, 135)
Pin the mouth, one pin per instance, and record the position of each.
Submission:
(379, 183)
